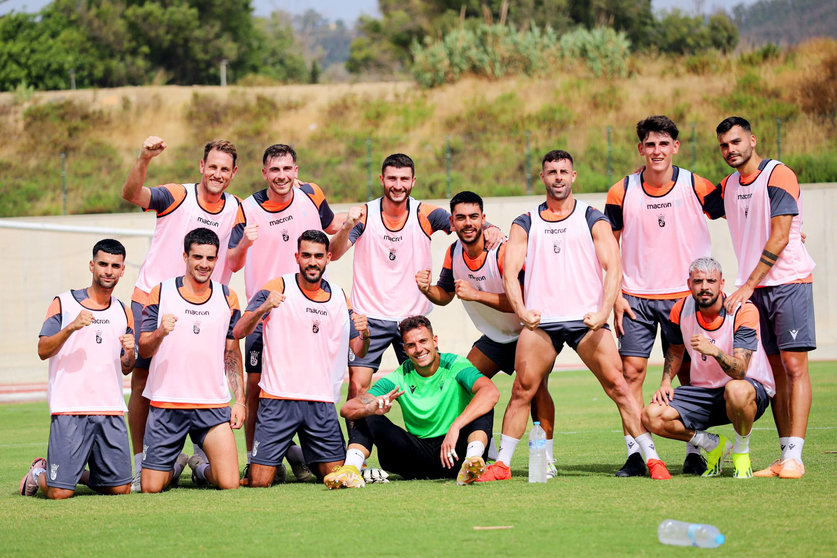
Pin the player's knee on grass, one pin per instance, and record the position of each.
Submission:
(55, 493)
(261, 476)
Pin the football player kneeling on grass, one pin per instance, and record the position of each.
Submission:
(731, 379)
(448, 410)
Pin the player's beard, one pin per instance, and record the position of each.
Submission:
(710, 303)
(477, 238)
(311, 268)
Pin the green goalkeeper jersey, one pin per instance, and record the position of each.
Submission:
(430, 405)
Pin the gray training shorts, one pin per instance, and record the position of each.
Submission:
(99, 441)
(702, 407)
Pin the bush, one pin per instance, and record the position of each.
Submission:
(487, 50)
(604, 50)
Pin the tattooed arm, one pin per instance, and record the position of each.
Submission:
(735, 365)
(671, 366)
(235, 379)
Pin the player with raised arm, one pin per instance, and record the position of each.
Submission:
(187, 327)
(448, 411)
(659, 216)
(731, 381)
(474, 274)
(180, 208)
(763, 207)
(88, 338)
(308, 331)
(572, 280)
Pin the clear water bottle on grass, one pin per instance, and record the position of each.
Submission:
(681, 533)
(537, 454)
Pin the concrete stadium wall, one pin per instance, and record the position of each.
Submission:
(36, 265)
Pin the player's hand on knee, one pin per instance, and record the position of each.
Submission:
(663, 395)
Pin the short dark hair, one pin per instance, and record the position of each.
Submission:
(278, 150)
(221, 145)
(313, 235)
(557, 155)
(200, 235)
(659, 124)
(109, 246)
(728, 123)
(413, 322)
(399, 161)
(465, 196)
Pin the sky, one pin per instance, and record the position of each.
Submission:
(349, 10)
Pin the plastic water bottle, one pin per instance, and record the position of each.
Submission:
(681, 533)
(537, 454)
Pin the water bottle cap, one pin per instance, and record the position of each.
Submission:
(720, 539)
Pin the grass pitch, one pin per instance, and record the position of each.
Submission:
(584, 511)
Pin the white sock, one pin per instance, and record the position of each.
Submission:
(354, 457)
(37, 473)
(631, 445)
(742, 443)
(474, 449)
(705, 440)
(646, 443)
(507, 447)
(199, 451)
(783, 444)
(249, 455)
(691, 448)
(138, 462)
(492, 449)
(794, 450)
(550, 450)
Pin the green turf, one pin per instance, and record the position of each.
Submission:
(584, 511)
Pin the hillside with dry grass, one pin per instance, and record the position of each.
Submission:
(483, 135)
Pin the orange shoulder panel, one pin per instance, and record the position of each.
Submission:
(317, 196)
(703, 188)
(674, 316)
(747, 316)
(783, 177)
(178, 192)
(54, 308)
(232, 300)
(616, 194)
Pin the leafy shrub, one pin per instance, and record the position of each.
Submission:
(604, 50)
(760, 55)
(488, 50)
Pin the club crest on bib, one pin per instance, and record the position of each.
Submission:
(285, 236)
(392, 253)
(99, 336)
(315, 325)
(556, 245)
(196, 328)
(661, 220)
